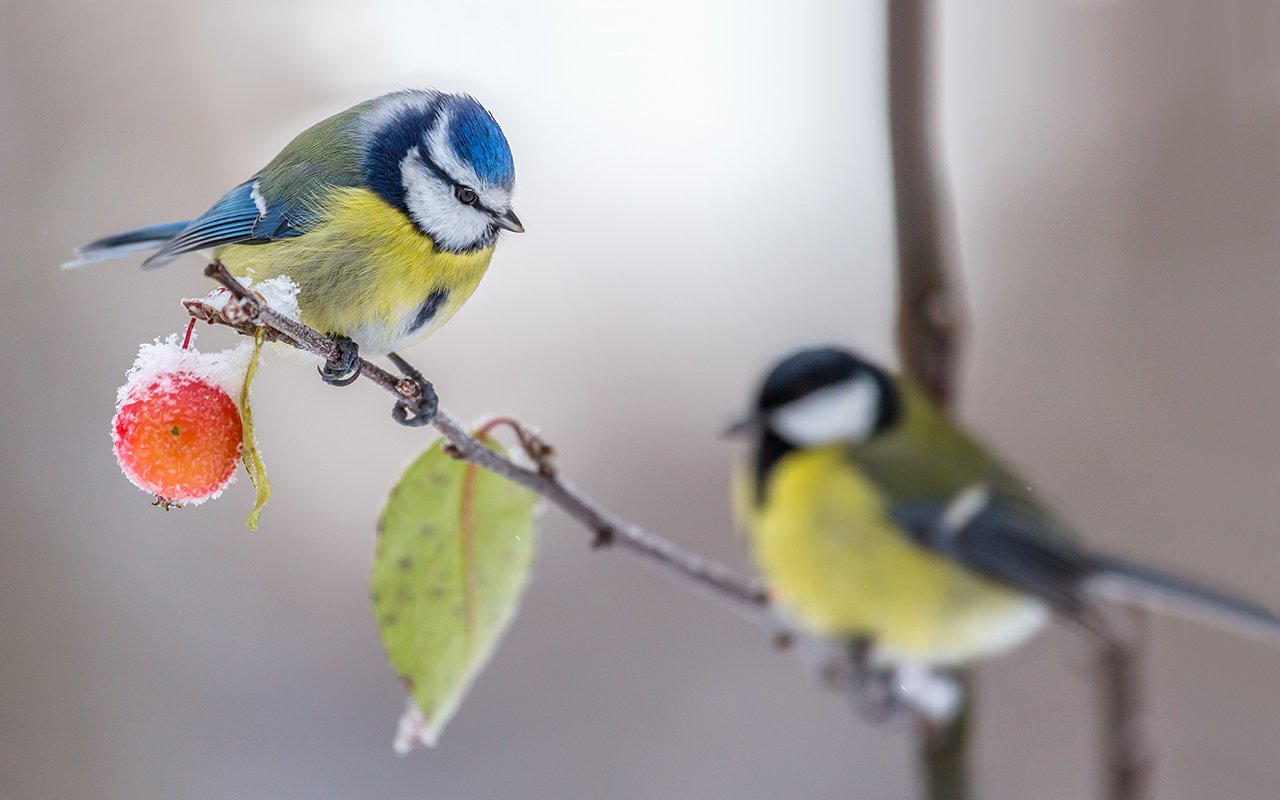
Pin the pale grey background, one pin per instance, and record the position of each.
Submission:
(704, 186)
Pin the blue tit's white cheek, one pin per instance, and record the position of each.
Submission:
(433, 206)
(844, 412)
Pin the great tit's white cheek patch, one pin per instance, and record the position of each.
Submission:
(844, 412)
(432, 204)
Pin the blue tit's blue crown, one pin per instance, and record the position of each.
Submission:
(475, 136)
(443, 162)
(405, 120)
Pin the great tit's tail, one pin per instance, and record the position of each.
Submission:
(1017, 544)
(1134, 584)
(127, 243)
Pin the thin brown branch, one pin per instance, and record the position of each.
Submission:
(609, 530)
(928, 323)
(927, 309)
(1127, 765)
(249, 310)
(944, 748)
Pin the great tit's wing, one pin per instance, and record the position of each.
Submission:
(1003, 538)
(1006, 539)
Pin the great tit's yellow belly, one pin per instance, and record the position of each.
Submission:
(839, 566)
(366, 272)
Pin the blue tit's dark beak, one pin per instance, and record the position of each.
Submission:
(744, 427)
(509, 222)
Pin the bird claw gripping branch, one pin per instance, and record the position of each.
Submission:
(344, 368)
(419, 402)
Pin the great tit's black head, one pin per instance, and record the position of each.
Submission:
(824, 395)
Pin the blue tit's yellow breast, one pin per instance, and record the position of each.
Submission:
(365, 271)
(838, 565)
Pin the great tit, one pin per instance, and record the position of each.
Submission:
(385, 216)
(874, 517)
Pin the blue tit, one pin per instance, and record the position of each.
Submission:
(384, 215)
(873, 516)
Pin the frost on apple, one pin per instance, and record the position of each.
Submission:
(177, 430)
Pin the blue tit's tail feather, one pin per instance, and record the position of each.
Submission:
(1135, 584)
(127, 243)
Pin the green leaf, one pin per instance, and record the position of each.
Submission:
(455, 543)
(249, 453)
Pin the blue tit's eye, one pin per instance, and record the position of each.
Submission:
(466, 196)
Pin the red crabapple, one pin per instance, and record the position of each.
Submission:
(178, 436)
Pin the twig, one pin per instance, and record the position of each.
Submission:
(610, 531)
(944, 748)
(927, 310)
(1127, 765)
(928, 314)
(248, 310)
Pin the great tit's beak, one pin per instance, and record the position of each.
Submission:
(509, 222)
(744, 427)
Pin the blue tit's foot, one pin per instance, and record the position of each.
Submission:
(420, 402)
(343, 368)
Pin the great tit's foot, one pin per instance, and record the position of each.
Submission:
(875, 687)
(343, 368)
(877, 698)
(419, 402)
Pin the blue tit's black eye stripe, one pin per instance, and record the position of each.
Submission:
(439, 172)
(436, 170)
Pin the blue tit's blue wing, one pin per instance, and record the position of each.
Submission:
(242, 216)
(1005, 539)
